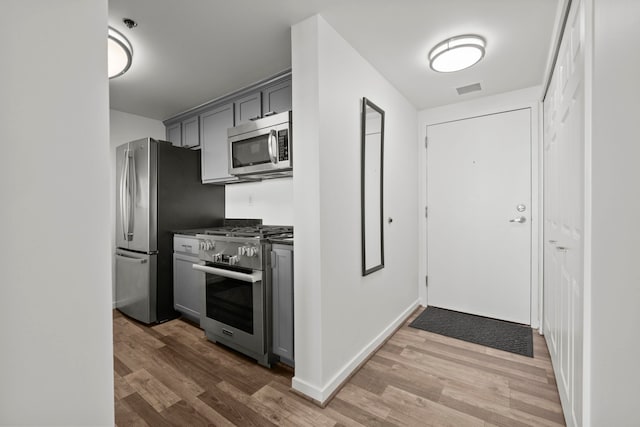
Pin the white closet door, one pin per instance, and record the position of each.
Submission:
(564, 175)
(479, 215)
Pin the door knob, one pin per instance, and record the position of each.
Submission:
(520, 219)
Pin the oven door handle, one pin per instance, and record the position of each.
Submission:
(256, 276)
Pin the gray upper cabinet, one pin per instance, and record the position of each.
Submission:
(190, 133)
(205, 126)
(174, 134)
(213, 143)
(248, 108)
(277, 98)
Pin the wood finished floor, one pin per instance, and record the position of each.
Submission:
(170, 375)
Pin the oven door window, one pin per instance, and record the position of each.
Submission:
(251, 151)
(230, 301)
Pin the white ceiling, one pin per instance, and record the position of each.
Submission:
(189, 52)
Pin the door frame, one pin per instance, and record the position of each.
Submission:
(522, 99)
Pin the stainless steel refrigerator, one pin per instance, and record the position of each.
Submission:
(158, 190)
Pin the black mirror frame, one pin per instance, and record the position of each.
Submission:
(367, 103)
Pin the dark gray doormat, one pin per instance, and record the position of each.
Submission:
(507, 336)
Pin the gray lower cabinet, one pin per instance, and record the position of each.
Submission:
(188, 284)
(282, 300)
(213, 144)
(174, 134)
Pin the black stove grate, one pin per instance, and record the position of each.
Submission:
(261, 231)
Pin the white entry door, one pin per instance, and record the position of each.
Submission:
(479, 215)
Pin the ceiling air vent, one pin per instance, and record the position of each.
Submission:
(469, 88)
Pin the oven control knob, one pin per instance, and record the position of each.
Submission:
(210, 245)
(216, 257)
(203, 245)
(233, 260)
(242, 250)
(252, 251)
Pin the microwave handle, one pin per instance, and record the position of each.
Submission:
(273, 137)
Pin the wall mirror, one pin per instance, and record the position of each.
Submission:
(371, 179)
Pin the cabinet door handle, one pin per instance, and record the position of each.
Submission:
(270, 113)
(255, 118)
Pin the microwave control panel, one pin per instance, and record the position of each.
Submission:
(283, 145)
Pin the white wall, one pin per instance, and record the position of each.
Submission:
(523, 98)
(125, 127)
(614, 301)
(341, 316)
(271, 200)
(55, 275)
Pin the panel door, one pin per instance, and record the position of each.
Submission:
(174, 134)
(190, 133)
(277, 98)
(214, 146)
(479, 216)
(282, 302)
(188, 286)
(248, 108)
(564, 172)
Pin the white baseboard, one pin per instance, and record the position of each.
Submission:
(321, 394)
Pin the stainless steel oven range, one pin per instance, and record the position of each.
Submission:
(237, 295)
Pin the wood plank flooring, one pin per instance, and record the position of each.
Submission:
(171, 375)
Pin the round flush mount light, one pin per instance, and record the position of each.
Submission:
(120, 53)
(457, 53)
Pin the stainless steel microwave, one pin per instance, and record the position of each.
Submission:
(261, 147)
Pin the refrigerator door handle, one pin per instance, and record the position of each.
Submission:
(133, 184)
(123, 188)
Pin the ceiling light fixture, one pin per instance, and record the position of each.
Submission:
(457, 53)
(120, 53)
